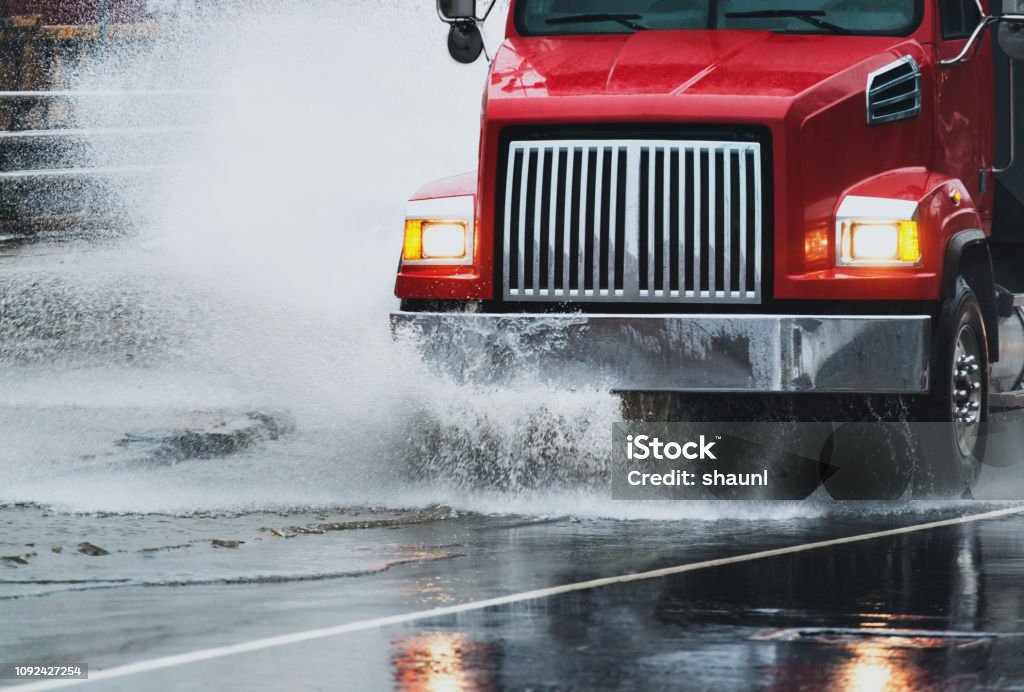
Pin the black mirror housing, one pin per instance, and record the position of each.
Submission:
(1011, 38)
(465, 42)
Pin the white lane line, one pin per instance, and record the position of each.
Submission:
(310, 635)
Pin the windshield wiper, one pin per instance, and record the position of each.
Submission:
(621, 18)
(812, 17)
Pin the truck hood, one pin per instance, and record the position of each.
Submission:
(677, 63)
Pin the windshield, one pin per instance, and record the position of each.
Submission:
(569, 17)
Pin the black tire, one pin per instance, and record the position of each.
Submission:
(950, 455)
(795, 451)
(869, 461)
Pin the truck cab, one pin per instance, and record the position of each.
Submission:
(801, 198)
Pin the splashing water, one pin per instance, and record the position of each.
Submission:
(262, 281)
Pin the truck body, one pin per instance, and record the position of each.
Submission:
(736, 198)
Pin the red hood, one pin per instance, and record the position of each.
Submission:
(663, 63)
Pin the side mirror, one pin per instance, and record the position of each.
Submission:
(1011, 38)
(465, 42)
(1010, 33)
(457, 10)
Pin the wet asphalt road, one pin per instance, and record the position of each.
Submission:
(819, 619)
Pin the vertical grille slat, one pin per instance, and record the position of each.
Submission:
(651, 233)
(698, 227)
(727, 222)
(632, 220)
(510, 177)
(666, 224)
(597, 234)
(581, 253)
(631, 249)
(681, 240)
(521, 263)
(613, 224)
(712, 222)
(757, 220)
(570, 159)
(552, 224)
(743, 223)
(538, 213)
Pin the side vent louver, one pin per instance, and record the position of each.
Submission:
(894, 92)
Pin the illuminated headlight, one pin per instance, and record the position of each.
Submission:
(444, 240)
(877, 232)
(439, 232)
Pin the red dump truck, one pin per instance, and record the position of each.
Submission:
(808, 198)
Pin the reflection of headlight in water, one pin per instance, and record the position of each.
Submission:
(873, 666)
(442, 662)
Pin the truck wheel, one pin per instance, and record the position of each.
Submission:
(794, 452)
(950, 456)
(869, 461)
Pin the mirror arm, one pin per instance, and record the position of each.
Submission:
(494, 2)
(1013, 143)
(972, 43)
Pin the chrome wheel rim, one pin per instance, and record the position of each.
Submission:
(967, 391)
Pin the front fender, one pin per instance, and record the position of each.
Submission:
(445, 282)
(454, 186)
(940, 219)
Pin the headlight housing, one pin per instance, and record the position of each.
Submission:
(877, 232)
(439, 232)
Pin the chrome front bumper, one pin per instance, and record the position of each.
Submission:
(688, 353)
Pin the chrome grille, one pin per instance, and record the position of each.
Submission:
(632, 220)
